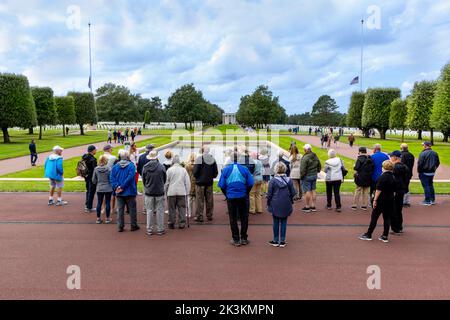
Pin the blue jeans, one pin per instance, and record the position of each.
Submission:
(107, 197)
(279, 226)
(428, 188)
(34, 157)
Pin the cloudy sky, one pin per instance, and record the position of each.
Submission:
(301, 49)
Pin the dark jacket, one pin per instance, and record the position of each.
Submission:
(408, 160)
(280, 196)
(428, 161)
(248, 162)
(143, 160)
(205, 170)
(363, 171)
(310, 165)
(288, 166)
(154, 178)
(401, 175)
(91, 163)
(32, 148)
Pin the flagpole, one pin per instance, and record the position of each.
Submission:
(90, 57)
(362, 54)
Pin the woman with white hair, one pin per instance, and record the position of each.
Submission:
(295, 158)
(279, 202)
(265, 161)
(334, 168)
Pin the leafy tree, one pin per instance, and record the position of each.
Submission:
(65, 108)
(440, 116)
(420, 105)
(45, 107)
(303, 119)
(16, 103)
(343, 121)
(146, 118)
(397, 118)
(186, 104)
(354, 116)
(260, 109)
(116, 103)
(85, 111)
(324, 112)
(377, 107)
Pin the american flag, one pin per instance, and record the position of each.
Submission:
(355, 81)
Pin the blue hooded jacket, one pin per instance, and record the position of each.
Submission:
(53, 167)
(123, 174)
(236, 181)
(280, 196)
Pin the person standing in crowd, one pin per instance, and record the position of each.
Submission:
(178, 186)
(90, 163)
(109, 136)
(122, 137)
(115, 135)
(245, 159)
(280, 198)
(265, 161)
(133, 134)
(154, 179)
(408, 160)
(295, 159)
(127, 134)
(351, 140)
(334, 168)
(190, 170)
(100, 178)
(107, 150)
(33, 153)
(427, 165)
(281, 159)
(236, 181)
(378, 157)
(122, 181)
(255, 193)
(54, 171)
(401, 175)
(143, 158)
(383, 203)
(205, 171)
(329, 139)
(363, 179)
(309, 168)
(168, 161)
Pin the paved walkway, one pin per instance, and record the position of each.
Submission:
(443, 172)
(23, 163)
(323, 259)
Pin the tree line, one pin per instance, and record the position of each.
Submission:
(426, 108)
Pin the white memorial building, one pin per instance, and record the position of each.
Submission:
(229, 118)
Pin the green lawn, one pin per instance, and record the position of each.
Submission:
(71, 164)
(322, 154)
(415, 146)
(21, 139)
(78, 186)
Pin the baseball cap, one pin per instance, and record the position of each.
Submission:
(307, 147)
(427, 144)
(107, 147)
(396, 153)
(150, 147)
(91, 148)
(56, 148)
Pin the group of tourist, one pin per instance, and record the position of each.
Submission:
(121, 136)
(186, 188)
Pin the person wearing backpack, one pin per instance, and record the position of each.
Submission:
(236, 182)
(90, 162)
(280, 198)
(334, 170)
(363, 179)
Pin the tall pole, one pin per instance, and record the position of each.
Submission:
(362, 55)
(90, 58)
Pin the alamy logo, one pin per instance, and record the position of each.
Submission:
(374, 280)
(73, 21)
(374, 19)
(74, 279)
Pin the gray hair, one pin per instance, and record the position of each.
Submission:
(331, 153)
(124, 154)
(176, 159)
(280, 168)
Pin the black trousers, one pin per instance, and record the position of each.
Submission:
(387, 210)
(238, 210)
(334, 186)
(34, 157)
(397, 218)
(373, 188)
(90, 192)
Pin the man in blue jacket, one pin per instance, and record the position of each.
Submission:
(123, 183)
(236, 181)
(378, 157)
(54, 171)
